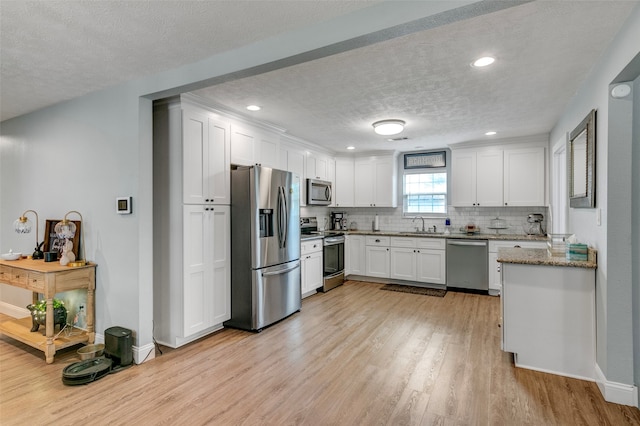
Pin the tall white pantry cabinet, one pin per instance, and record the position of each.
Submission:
(191, 222)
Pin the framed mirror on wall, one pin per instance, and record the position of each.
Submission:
(582, 163)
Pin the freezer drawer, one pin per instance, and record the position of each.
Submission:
(260, 297)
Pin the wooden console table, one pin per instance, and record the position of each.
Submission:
(48, 278)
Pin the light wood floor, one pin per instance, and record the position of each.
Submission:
(354, 356)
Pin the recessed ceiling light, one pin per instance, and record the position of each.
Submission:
(483, 62)
(351, 147)
(253, 108)
(490, 133)
(388, 127)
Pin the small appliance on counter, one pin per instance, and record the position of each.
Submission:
(338, 221)
(534, 224)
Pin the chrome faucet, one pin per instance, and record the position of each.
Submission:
(422, 218)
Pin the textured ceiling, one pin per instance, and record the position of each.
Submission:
(544, 51)
(52, 51)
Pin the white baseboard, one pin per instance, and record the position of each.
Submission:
(618, 393)
(144, 353)
(13, 311)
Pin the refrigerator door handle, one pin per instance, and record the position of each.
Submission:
(280, 272)
(282, 217)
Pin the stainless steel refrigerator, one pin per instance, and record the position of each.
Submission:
(265, 247)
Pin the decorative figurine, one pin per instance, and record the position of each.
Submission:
(67, 253)
(38, 254)
(39, 314)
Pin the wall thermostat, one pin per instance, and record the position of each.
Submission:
(123, 205)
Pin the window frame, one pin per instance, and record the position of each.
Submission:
(415, 171)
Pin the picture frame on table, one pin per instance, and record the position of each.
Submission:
(53, 243)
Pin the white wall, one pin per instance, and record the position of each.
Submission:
(614, 312)
(636, 232)
(81, 154)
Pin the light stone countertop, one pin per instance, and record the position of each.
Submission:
(542, 257)
(496, 237)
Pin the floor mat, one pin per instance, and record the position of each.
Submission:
(415, 290)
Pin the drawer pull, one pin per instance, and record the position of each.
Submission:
(377, 241)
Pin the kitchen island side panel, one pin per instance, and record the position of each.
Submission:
(549, 318)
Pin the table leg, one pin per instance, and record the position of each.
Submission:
(50, 350)
(91, 299)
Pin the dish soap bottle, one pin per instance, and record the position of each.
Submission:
(447, 225)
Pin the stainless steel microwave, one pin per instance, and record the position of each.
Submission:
(318, 192)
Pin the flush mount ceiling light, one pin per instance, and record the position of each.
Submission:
(351, 147)
(253, 108)
(388, 127)
(491, 133)
(483, 62)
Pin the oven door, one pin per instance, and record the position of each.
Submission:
(333, 255)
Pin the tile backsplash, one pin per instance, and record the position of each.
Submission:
(391, 219)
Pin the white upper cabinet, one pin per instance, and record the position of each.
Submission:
(251, 146)
(292, 159)
(268, 147)
(463, 178)
(344, 189)
(375, 181)
(524, 177)
(205, 156)
(317, 166)
(489, 178)
(476, 178)
(243, 146)
(498, 176)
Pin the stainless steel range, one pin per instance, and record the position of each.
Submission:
(333, 252)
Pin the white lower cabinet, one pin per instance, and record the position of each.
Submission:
(418, 259)
(377, 256)
(192, 295)
(403, 263)
(206, 267)
(431, 266)
(495, 270)
(311, 266)
(355, 255)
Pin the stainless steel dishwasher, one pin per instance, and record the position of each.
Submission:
(467, 264)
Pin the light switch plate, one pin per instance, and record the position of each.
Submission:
(598, 216)
(123, 205)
